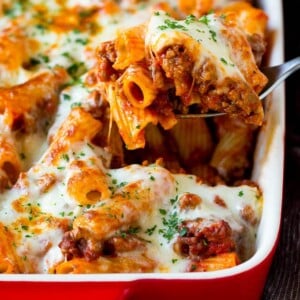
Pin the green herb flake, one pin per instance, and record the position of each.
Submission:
(152, 178)
(190, 19)
(81, 41)
(40, 27)
(213, 35)
(224, 61)
(170, 223)
(162, 211)
(76, 104)
(151, 230)
(134, 230)
(66, 97)
(204, 19)
(76, 69)
(65, 156)
(172, 25)
(241, 194)
(174, 200)
(45, 58)
(162, 27)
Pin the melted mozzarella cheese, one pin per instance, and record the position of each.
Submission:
(165, 189)
(203, 37)
(38, 243)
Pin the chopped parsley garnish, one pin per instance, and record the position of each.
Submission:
(24, 227)
(204, 19)
(213, 35)
(65, 156)
(130, 231)
(66, 97)
(41, 27)
(152, 178)
(151, 230)
(81, 41)
(76, 104)
(174, 200)
(133, 230)
(223, 60)
(170, 24)
(190, 19)
(162, 211)
(241, 194)
(170, 228)
(76, 69)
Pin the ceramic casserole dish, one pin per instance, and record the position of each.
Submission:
(243, 281)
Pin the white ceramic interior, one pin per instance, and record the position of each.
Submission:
(268, 172)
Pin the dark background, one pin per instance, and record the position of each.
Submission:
(284, 277)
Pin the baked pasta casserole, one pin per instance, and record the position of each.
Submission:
(97, 172)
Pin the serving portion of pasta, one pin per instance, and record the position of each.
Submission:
(97, 175)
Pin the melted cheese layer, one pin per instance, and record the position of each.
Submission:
(39, 209)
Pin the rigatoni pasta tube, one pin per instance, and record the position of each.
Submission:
(40, 91)
(121, 264)
(130, 120)
(230, 156)
(87, 185)
(138, 86)
(218, 262)
(103, 221)
(133, 39)
(79, 126)
(197, 145)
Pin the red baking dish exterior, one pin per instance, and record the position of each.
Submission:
(245, 281)
(247, 286)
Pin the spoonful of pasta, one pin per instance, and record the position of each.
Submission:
(275, 74)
